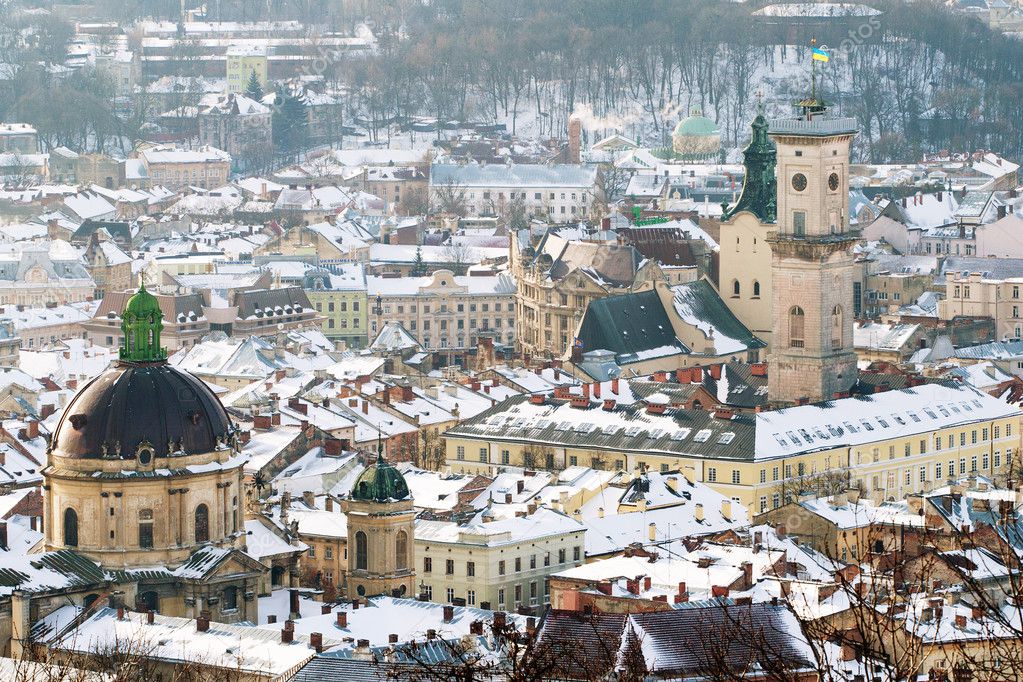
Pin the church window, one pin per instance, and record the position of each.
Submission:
(361, 551)
(797, 327)
(799, 223)
(736, 288)
(401, 550)
(230, 598)
(146, 528)
(202, 523)
(70, 527)
(756, 289)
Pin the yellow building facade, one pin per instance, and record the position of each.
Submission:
(886, 444)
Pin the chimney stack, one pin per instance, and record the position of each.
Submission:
(342, 619)
(575, 131)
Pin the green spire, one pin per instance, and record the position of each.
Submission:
(141, 323)
(759, 187)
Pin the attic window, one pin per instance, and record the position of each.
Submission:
(702, 436)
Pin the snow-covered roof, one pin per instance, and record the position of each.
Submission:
(871, 418)
(514, 175)
(239, 648)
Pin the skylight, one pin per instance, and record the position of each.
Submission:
(702, 436)
(726, 438)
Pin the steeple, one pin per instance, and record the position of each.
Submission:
(141, 324)
(759, 187)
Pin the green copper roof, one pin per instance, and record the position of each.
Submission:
(141, 323)
(759, 186)
(696, 126)
(380, 482)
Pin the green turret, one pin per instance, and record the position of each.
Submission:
(141, 323)
(380, 482)
(759, 187)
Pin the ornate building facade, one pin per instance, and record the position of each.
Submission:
(556, 279)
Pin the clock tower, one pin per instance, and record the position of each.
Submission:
(812, 264)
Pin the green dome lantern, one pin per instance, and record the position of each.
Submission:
(141, 323)
(380, 482)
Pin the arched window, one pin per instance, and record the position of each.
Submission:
(797, 327)
(70, 527)
(401, 550)
(756, 289)
(202, 523)
(736, 289)
(836, 327)
(361, 551)
(277, 576)
(146, 529)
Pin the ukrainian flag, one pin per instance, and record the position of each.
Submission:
(820, 54)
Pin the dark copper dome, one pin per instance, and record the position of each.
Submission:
(134, 404)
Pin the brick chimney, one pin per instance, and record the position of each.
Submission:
(575, 133)
(449, 613)
(342, 619)
(202, 624)
(316, 641)
(287, 636)
(332, 447)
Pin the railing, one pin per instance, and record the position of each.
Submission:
(813, 126)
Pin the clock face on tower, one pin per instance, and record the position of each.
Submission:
(799, 182)
(833, 182)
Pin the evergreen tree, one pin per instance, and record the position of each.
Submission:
(418, 267)
(290, 126)
(254, 90)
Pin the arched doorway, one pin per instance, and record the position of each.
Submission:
(148, 601)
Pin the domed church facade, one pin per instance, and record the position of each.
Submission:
(145, 478)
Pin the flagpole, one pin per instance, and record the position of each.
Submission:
(813, 71)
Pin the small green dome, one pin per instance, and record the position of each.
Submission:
(141, 324)
(380, 482)
(142, 304)
(696, 125)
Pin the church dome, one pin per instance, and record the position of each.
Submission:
(380, 482)
(696, 137)
(142, 407)
(133, 407)
(696, 125)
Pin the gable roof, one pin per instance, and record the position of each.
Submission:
(634, 327)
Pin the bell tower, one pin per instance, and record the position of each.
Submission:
(812, 264)
(381, 553)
